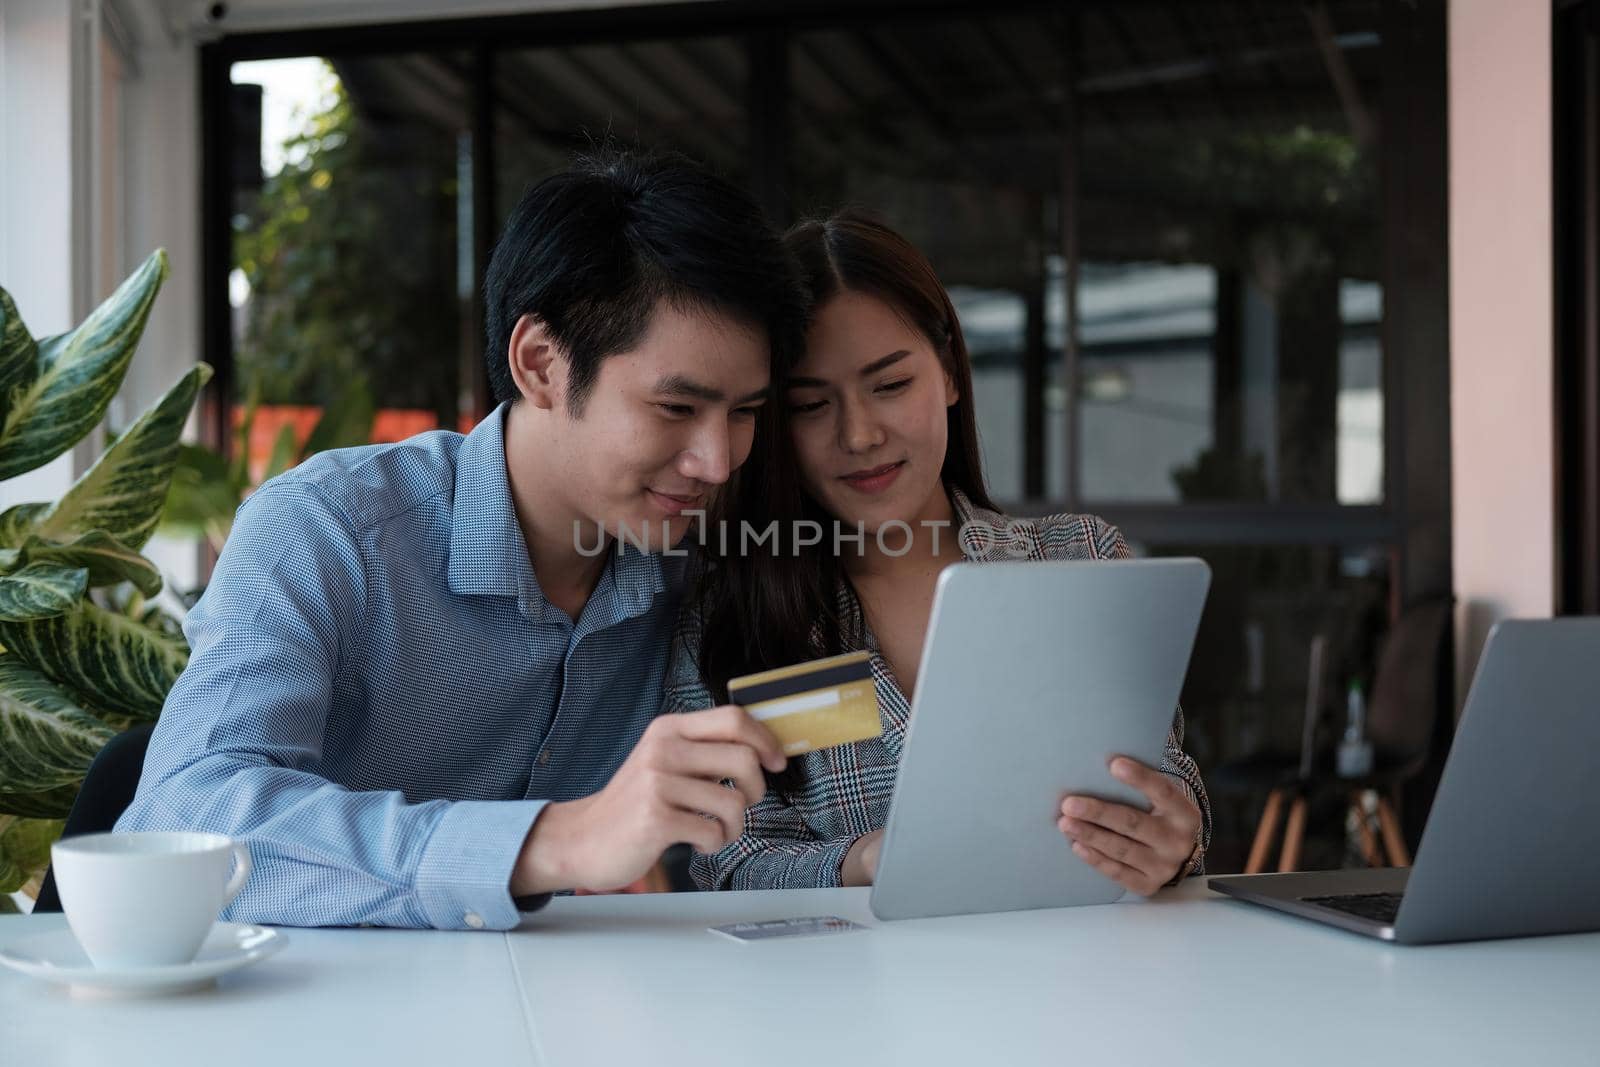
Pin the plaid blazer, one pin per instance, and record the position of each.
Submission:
(798, 838)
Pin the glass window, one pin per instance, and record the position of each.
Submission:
(1228, 226)
(949, 130)
(1246, 690)
(353, 277)
(1145, 390)
(683, 95)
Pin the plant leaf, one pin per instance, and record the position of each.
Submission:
(25, 851)
(50, 804)
(41, 590)
(12, 876)
(17, 523)
(29, 840)
(115, 662)
(78, 374)
(203, 463)
(127, 601)
(203, 492)
(283, 454)
(345, 422)
(19, 353)
(124, 491)
(240, 466)
(46, 740)
(107, 560)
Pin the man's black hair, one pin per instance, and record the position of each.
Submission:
(594, 250)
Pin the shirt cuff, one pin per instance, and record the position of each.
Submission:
(830, 866)
(1196, 863)
(464, 879)
(821, 869)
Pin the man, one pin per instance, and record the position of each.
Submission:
(416, 690)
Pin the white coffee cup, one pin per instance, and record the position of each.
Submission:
(146, 899)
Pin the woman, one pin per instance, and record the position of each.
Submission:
(875, 425)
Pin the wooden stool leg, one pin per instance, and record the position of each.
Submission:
(1293, 834)
(1393, 842)
(1265, 829)
(1369, 842)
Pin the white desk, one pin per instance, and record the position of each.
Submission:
(1186, 978)
(619, 981)
(346, 997)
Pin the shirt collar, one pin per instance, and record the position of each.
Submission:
(488, 556)
(965, 514)
(638, 576)
(986, 536)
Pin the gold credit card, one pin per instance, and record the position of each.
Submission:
(813, 705)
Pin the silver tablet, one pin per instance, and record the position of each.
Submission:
(1033, 675)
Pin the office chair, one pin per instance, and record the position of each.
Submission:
(107, 791)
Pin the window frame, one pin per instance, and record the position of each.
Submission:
(1413, 519)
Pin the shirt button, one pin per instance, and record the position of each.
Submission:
(473, 919)
(544, 757)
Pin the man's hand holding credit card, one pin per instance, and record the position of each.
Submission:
(670, 789)
(815, 705)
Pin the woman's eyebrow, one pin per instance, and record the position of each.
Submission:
(797, 382)
(887, 361)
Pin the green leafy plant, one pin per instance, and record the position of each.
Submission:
(207, 487)
(347, 251)
(82, 653)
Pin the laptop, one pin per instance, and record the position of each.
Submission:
(1034, 674)
(1512, 844)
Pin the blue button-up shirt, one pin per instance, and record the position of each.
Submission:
(380, 699)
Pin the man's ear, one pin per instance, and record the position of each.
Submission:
(536, 364)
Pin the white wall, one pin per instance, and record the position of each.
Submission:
(161, 168)
(1501, 326)
(40, 226)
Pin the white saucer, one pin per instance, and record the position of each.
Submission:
(56, 957)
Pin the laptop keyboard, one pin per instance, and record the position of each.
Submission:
(1380, 906)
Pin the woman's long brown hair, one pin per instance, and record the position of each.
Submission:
(777, 604)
